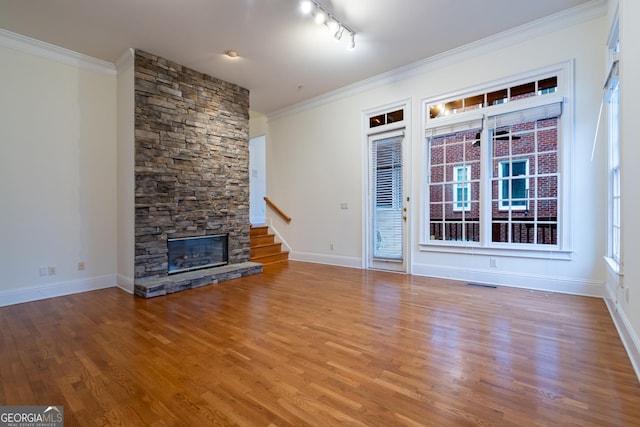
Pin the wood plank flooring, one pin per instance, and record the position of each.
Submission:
(306, 344)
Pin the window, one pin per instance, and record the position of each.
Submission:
(495, 97)
(525, 179)
(612, 99)
(386, 118)
(513, 192)
(494, 166)
(454, 188)
(461, 188)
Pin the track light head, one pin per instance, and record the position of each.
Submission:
(320, 16)
(352, 41)
(333, 25)
(306, 6)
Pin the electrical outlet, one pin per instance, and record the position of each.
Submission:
(331, 245)
(81, 265)
(44, 270)
(493, 263)
(52, 270)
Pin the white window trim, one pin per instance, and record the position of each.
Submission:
(563, 250)
(614, 195)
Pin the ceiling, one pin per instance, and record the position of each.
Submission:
(284, 57)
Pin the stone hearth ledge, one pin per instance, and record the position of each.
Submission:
(149, 287)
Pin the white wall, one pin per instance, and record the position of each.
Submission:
(313, 165)
(125, 171)
(628, 315)
(257, 180)
(315, 159)
(57, 168)
(258, 124)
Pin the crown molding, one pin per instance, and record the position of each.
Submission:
(44, 50)
(576, 15)
(125, 60)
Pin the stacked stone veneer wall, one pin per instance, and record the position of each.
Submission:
(191, 161)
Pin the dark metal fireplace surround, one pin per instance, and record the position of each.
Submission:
(195, 253)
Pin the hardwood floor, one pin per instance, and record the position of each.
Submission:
(306, 344)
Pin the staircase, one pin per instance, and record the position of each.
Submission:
(264, 248)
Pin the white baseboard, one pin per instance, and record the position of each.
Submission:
(341, 261)
(278, 236)
(516, 280)
(51, 290)
(125, 283)
(628, 336)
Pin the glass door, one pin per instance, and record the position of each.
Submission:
(387, 204)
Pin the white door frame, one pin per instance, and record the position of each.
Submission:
(257, 180)
(381, 132)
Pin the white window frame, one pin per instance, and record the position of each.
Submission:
(463, 203)
(614, 194)
(564, 71)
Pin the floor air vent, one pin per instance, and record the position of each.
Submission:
(482, 285)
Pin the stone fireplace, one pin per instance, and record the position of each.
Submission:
(191, 175)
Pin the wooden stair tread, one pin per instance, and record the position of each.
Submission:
(263, 247)
(262, 240)
(261, 230)
(270, 259)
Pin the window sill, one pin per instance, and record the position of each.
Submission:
(515, 251)
(613, 265)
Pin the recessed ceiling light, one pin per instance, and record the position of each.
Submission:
(231, 54)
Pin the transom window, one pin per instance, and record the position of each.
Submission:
(494, 97)
(386, 118)
(494, 167)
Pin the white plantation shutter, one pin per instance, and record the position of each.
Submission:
(527, 115)
(454, 124)
(386, 180)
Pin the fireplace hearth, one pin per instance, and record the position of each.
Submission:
(195, 253)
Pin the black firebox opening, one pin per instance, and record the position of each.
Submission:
(194, 253)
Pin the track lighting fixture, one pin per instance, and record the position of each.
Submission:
(322, 16)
